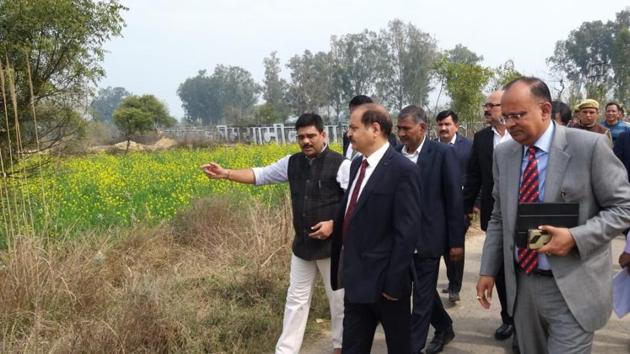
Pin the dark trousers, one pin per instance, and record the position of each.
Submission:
(454, 273)
(440, 320)
(500, 284)
(455, 270)
(423, 297)
(360, 321)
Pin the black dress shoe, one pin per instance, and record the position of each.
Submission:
(440, 339)
(504, 332)
(453, 297)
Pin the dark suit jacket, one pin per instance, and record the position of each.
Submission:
(393, 141)
(622, 149)
(442, 208)
(463, 148)
(479, 175)
(378, 246)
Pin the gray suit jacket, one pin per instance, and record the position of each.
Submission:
(581, 169)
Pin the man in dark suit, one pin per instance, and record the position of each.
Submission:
(622, 151)
(442, 226)
(348, 151)
(447, 127)
(479, 178)
(374, 235)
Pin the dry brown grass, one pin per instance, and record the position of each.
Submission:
(212, 281)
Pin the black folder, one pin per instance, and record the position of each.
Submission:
(532, 215)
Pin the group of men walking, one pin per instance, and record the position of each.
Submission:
(375, 221)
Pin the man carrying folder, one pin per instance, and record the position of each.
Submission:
(561, 293)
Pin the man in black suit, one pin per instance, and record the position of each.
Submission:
(441, 229)
(447, 127)
(374, 235)
(479, 178)
(622, 151)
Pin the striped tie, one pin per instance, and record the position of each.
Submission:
(528, 193)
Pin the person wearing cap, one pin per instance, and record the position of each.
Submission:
(613, 120)
(589, 110)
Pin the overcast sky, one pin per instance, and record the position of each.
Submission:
(167, 41)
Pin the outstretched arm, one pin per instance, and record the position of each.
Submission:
(277, 172)
(214, 171)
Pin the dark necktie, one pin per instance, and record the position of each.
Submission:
(528, 193)
(354, 197)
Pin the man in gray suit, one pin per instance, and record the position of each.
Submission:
(562, 294)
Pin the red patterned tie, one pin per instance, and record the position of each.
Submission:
(528, 193)
(354, 197)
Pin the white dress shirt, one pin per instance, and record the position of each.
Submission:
(351, 151)
(413, 157)
(498, 139)
(372, 160)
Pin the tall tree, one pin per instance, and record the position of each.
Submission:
(61, 42)
(207, 100)
(407, 57)
(198, 100)
(461, 54)
(274, 91)
(106, 101)
(620, 57)
(464, 83)
(310, 81)
(356, 55)
(594, 58)
(503, 75)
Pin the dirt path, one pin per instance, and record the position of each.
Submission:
(474, 326)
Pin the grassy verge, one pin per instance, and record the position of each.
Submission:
(213, 280)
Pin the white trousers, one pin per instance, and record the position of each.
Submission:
(298, 304)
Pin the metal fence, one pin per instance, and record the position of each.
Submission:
(280, 133)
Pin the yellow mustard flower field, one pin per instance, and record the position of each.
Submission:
(95, 192)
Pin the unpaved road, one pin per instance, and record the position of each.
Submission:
(474, 326)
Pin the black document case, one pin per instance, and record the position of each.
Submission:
(532, 215)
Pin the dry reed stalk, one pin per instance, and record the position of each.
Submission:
(12, 209)
(5, 204)
(35, 125)
(27, 205)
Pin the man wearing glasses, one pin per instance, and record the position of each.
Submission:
(479, 179)
(560, 293)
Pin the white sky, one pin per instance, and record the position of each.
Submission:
(167, 41)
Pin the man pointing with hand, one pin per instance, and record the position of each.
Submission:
(317, 177)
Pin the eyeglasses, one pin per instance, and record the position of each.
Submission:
(491, 105)
(511, 117)
(514, 117)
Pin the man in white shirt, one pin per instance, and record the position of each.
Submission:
(317, 177)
